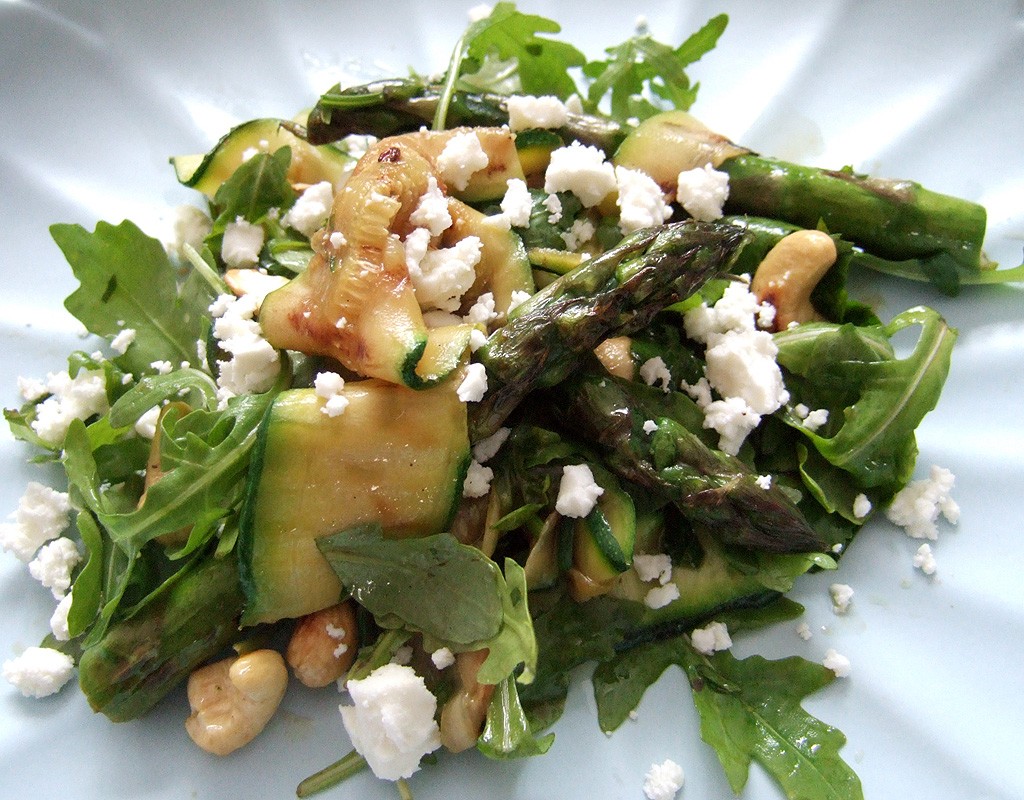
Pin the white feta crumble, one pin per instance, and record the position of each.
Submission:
(553, 203)
(764, 481)
(474, 384)
(640, 200)
(711, 638)
(42, 515)
(477, 339)
(663, 781)
(650, 426)
(254, 363)
(661, 596)
(329, 386)
(31, 389)
(526, 111)
(732, 419)
(337, 240)
(517, 204)
(189, 226)
(39, 671)
(145, 426)
(488, 448)
(54, 563)
(582, 170)
(417, 242)
(842, 595)
(311, 210)
(443, 276)
(577, 491)
(654, 371)
(482, 311)
(803, 630)
(924, 560)
(702, 192)
(861, 506)
(119, 344)
(432, 210)
(815, 419)
(742, 364)
(242, 243)
(59, 619)
(391, 722)
(461, 158)
(162, 367)
(654, 566)
(837, 662)
(916, 507)
(442, 658)
(517, 299)
(580, 232)
(478, 480)
(70, 398)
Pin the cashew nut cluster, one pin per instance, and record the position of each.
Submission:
(323, 645)
(788, 274)
(233, 700)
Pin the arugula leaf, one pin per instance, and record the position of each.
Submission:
(515, 642)
(87, 592)
(257, 186)
(127, 281)
(507, 732)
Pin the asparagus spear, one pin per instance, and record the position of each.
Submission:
(710, 488)
(617, 292)
(143, 657)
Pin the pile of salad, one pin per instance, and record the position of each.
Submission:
(453, 384)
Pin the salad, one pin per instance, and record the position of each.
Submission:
(481, 384)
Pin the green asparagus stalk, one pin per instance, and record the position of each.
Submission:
(143, 657)
(713, 490)
(617, 292)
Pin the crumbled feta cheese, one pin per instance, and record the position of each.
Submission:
(582, 170)
(517, 204)
(580, 232)
(329, 386)
(841, 597)
(39, 671)
(432, 210)
(31, 389)
(525, 111)
(517, 299)
(815, 419)
(311, 210)
(337, 240)
(803, 630)
(482, 311)
(391, 723)
(553, 203)
(162, 367)
(53, 564)
(654, 370)
(443, 276)
(461, 158)
(661, 596)
(70, 398)
(836, 662)
(861, 506)
(59, 619)
(663, 781)
(146, 424)
(189, 226)
(474, 384)
(416, 245)
(650, 426)
(924, 560)
(477, 339)
(42, 515)
(119, 344)
(577, 491)
(486, 449)
(732, 419)
(641, 202)
(241, 244)
(916, 507)
(442, 658)
(478, 480)
(699, 391)
(736, 310)
(650, 567)
(702, 192)
(711, 638)
(254, 363)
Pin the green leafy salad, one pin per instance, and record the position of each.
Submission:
(453, 384)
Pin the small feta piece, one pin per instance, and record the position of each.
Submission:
(663, 781)
(702, 192)
(650, 426)
(732, 419)
(474, 384)
(577, 491)
(482, 311)
(517, 204)
(815, 419)
(803, 630)
(836, 662)
(329, 386)
(661, 596)
(924, 560)
(582, 170)
(189, 227)
(654, 566)
(861, 506)
(764, 481)
(119, 344)
(432, 210)
(477, 339)
(162, 367)
(526, 111)
(553, 203)
(31, 389)
(145, 426)
(711, 638)
(461, 158)
(640, 200)
(842, 595)
(54, 563)
(59, 619)
(391, 722)
(39, 671)
(488, 448)
(70, 398)
(580, 232)
(417, 243)
(916, 507)
(654, 371)
(253, 363)
(443, 276)
(478, 480)
(742, 364)
(310, 211)
(242, 243)
(337, 240)
(517, 299)
(442, 658)
(42, 515)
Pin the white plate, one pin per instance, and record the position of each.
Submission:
(95, 97)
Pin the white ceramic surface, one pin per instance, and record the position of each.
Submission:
(96, 95)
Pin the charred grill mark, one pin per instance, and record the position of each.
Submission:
(392, 155)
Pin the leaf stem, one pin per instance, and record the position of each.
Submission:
(339, 771)
(205, 271)
(448, 89)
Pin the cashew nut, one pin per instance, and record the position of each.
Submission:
(616, 354)
(323, 645)
(462, 717)
(788, 274)
(233, 700)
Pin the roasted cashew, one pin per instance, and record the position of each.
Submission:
(616, 355)
(462, 717)
(323, 645)
(233, 700)
(788, 274)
